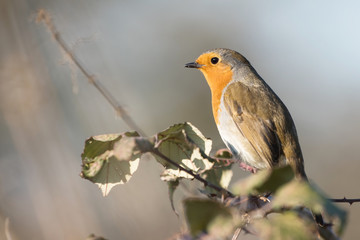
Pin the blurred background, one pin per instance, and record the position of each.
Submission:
(307, 51)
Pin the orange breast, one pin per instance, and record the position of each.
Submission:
(217, 81)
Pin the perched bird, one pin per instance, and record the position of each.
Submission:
(253, 122)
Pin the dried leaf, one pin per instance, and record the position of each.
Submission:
(109, 160)
(220, 174)
(185, 145)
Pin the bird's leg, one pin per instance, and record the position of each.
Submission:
(244, 166)
(247, 168)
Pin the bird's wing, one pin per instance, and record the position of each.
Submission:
(255, 126)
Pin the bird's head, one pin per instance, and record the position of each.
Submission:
(217, 66)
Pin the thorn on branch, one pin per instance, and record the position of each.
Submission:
(350, 201)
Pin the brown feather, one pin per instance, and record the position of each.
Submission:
(259, 132)
(265, 122)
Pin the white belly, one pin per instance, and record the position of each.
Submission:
(236, 142)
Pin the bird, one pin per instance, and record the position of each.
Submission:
(253, 122)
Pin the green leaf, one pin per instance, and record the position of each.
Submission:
(109, 160)
(192, 133)
(264, 181)
(185, 145)
(97, 145)
(220, 174)
(301, 193)
(208, 216)
(219, 177)
(284, 226)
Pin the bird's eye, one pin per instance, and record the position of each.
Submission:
(214, 60)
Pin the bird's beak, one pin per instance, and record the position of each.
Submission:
(193, 65)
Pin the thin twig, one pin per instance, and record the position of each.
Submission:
(44, 16)
(350, 201)
(236, 234)
(7, 229)
(196, 176)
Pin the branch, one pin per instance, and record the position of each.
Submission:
(350, 201)
(196, 176)
(44, 16)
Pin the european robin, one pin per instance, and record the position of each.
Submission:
(253, 122)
